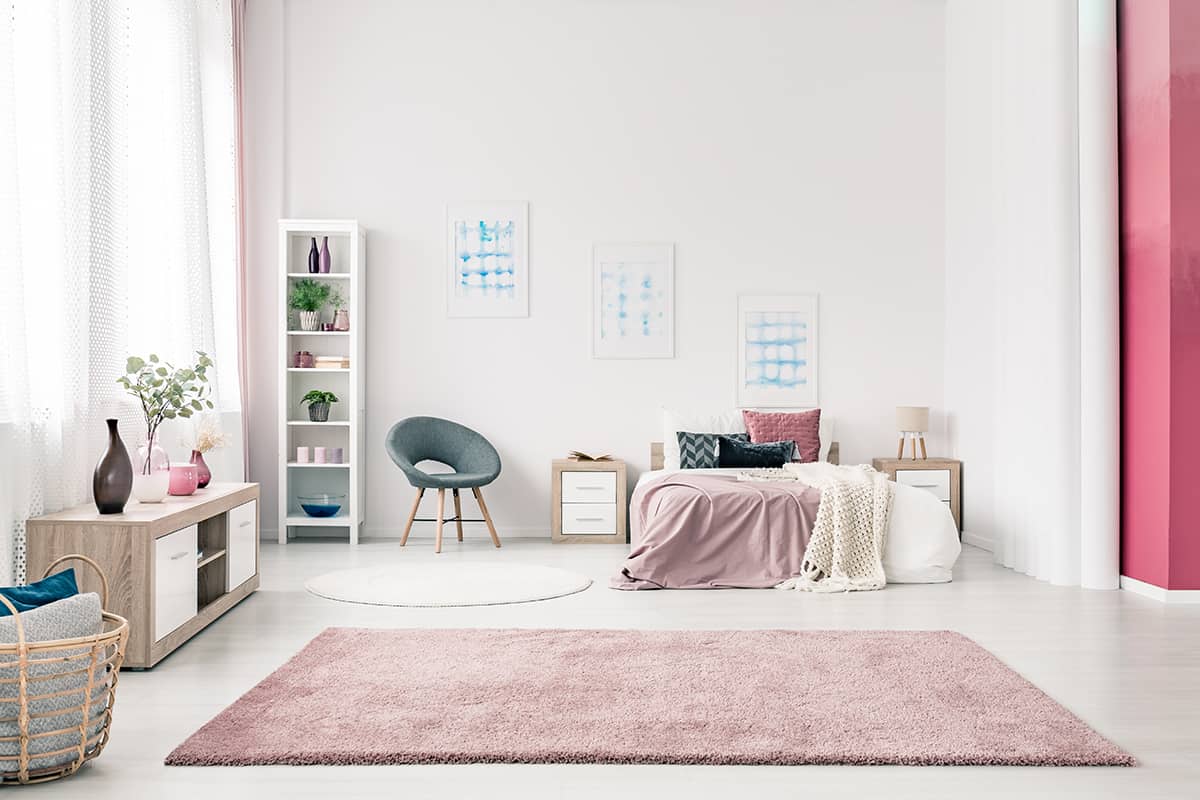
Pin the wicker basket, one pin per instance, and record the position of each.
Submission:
(84, 655)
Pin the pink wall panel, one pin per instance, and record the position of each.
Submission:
(1145, 126)
(1159, 63)
(1185, 295)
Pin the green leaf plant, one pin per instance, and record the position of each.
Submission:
(166, 392)
(318, 396)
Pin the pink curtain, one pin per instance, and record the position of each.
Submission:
(238, 10)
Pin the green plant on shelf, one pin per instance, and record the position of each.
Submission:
(308, 295)
(319, 402)
(318, 396)
(337, 300)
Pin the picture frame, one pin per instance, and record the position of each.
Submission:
(487, 260)
(778, 348)
(633, 300)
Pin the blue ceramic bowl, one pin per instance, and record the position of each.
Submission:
(321, 505)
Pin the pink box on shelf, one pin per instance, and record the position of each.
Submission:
(301, 455)
(318, 455)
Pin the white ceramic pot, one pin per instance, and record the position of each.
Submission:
(151, 474)
(151, 488)
(310, 320)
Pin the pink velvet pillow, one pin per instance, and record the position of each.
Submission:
(803, 428)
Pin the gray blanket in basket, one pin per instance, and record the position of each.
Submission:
(64, 619)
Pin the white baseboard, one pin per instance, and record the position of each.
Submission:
(982, 542)
(421, 530)
(1170, 596)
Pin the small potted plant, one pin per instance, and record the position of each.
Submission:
(341, 315)
(318, 403)
(308, 297)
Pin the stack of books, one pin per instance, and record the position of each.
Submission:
(332, 362)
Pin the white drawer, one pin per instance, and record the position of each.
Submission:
(934, 481)
(599, 519)
(241, 554)
(589, 487)
(174, 580)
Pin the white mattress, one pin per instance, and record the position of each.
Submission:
(922, 542)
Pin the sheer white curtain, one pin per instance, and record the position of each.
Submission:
(117, 232)
(1031, 263)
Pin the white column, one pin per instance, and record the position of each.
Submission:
(1099, 340)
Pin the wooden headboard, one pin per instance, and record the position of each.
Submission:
(656, 454)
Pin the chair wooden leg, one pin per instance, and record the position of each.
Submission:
(437, 547)
(486, 516)
(411, 517)
(458, 514)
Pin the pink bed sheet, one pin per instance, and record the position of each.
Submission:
(707, 531)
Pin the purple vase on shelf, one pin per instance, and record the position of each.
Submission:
(325, 260)
(203, 473)
(314, 258)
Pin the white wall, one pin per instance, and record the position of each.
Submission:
(974, 201)
(783, 147)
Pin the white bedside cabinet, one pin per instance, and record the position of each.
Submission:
(587, 502)
(941, 477)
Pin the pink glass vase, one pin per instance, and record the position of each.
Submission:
(203, 473)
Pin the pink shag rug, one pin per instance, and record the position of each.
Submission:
(355, 696)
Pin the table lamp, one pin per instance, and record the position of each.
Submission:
(912, 422)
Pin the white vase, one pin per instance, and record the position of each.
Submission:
(151, 474)
(151, 488)
(310, 320)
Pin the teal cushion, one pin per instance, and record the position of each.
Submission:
(58, 586)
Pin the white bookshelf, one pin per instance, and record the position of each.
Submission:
(346, 425)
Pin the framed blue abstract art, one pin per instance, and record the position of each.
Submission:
(487, 268)
(777, 351)
(633, 301)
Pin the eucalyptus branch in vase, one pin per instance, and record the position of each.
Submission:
(166, 392)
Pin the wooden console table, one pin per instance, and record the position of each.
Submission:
(173, 567)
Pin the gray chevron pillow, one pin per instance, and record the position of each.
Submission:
(699, 450)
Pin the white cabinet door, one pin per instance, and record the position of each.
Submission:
(599, 519)
(589, 486)
(934, 481)
(242, 551)
(174, 580)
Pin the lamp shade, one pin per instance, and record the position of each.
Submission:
(913, 419)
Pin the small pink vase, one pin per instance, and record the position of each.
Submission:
(203, 473)
(183, 479)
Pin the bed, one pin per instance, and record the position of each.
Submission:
(703, 528)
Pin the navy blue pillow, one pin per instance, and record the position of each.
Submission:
(58, 586)
(732, 453)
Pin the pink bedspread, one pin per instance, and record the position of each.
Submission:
(713, 531)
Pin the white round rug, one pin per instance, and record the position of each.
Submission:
(456, 584)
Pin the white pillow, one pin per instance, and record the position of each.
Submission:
(825, 431)
(675, 421)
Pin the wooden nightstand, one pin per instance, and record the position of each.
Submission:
(587, 501)
(940, 476)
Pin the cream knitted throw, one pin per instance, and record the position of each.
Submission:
(845, 551)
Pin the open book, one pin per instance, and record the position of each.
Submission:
(578, 455)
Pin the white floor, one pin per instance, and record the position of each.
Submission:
(1127, 665)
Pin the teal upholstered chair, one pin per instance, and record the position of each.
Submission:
(474, 461)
